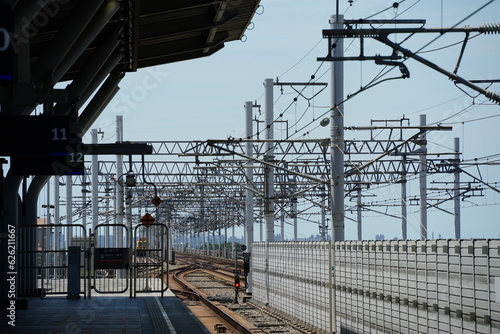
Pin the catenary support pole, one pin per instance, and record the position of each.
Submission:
(269, 157)
(295, 220)
(337, 159)
(48, 221)
(57, 222)
(295, 209)
(261, 229)
(107, 242)
(269, 174)
(249, 226)
(233, 243)
(423, 181)
(458, 234)
(404, 214)
(119, 207)
(323, 230)
(95, 183)
(69, 209)
(359, 210)
(337, 134)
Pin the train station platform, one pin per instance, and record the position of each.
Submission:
(104, 314)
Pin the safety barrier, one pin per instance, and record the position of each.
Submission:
(111, 260)
(110, 268)
(435, 286)
(150, 258)
(43, 253)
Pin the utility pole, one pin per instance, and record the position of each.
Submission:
(337, 174)
(337, 132)
(95, 183)
(249, 174)
(249, 226)
(404, 214)
(382, 35)
(269, 157)
(456, 194)
(423, 180)
(57, 228)
(294, 209)
(323, 229)
(119, 207)
(69, 209)
(359, 211)
(106, 202)
(358, 29)
(268, 176)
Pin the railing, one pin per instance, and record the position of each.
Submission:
(43, 256)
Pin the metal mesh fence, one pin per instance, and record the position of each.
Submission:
(437, 286)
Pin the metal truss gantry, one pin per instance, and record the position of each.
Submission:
(203, 183)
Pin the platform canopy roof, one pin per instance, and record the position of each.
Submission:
(151, 32)
(92, 44)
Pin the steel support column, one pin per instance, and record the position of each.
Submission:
(119, 205)
(69, 208)
(423, 181)
(456, 194)
(95, 183)
(404, 204)
(337, 160)
(249, 226)
(337, 133)
(269, 157)
(359, 211)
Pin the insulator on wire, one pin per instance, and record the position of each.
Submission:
(491, 28)
(493, 96)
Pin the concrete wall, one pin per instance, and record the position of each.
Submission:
(437, 286)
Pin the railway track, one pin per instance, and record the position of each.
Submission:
(211, 282)
(214, 306)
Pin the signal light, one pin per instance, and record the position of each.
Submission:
(236, 282)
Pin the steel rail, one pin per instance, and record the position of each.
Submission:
(227, 317)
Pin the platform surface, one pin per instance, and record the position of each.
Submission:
(105, 314)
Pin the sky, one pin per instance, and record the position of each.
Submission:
(204, 98)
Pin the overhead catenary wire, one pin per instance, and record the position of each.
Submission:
(456, 24)
(301, 59)
(298, 131)
(385, 9)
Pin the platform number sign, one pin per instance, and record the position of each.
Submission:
(44, 145)
(59, 134)
(76, 157)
